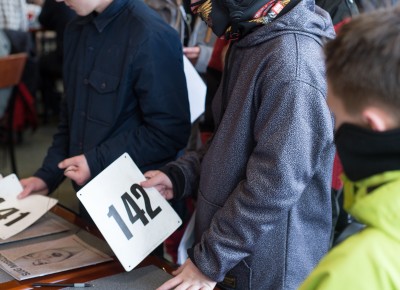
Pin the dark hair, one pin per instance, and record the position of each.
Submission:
(363, 61)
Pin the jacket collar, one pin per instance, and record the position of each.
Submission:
(103, 19)
(375, 201)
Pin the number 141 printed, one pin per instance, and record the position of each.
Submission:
(18, 214)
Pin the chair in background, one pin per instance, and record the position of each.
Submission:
(11, 69)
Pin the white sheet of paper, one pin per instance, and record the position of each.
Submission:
(196, 90)
(18, 214)
(133, 220)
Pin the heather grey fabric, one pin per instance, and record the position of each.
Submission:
(263, 207)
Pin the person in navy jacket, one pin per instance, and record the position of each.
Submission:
(125, 91)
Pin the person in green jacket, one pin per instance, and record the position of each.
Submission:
(363, 70)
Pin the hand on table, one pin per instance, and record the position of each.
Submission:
(188, 276)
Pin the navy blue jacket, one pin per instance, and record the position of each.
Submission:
(125, 91)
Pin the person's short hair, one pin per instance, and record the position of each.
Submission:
(363, 61)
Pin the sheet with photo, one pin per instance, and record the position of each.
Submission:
(72, 229)
(87, 237)
(46, 225)
(5, 277)
(53, 256)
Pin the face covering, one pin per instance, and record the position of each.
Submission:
(236, 18)
(364, 152)
(213, 14)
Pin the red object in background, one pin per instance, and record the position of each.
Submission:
(30, 16)
(337, 183)
(204, 136)
(24, 110)
(340, 24)
(216, 56)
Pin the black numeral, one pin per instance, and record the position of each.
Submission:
(152, 213)
(7, 212)
(21, 216)
(112, 212)
(140, 214)
(129, 203)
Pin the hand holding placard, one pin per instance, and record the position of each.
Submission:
(133, 220)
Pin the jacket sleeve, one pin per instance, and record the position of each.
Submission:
(159, 85)
(188, 167)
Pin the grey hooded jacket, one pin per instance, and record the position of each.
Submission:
(263, 183)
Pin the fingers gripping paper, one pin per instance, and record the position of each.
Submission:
(132, 219)
(18, 214)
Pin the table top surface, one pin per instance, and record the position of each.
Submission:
(88, 273)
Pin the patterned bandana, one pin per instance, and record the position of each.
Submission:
(237, 19)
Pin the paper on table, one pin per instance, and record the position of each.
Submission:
(18, 214)
(49, 257)
(46, 225)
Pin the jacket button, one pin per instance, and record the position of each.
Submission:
(85, 81)
(103, 85)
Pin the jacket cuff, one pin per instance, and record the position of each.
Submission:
(177, 178)
(190, 253)
(52, 183)
(94, 166)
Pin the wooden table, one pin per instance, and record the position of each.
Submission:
(86, 273)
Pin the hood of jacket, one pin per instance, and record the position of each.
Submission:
(305, 18)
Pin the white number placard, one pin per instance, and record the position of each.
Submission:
(133, 220)
(18, 214)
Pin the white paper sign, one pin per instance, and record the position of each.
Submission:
(196, 90)
(133, 220)
(18, 214)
